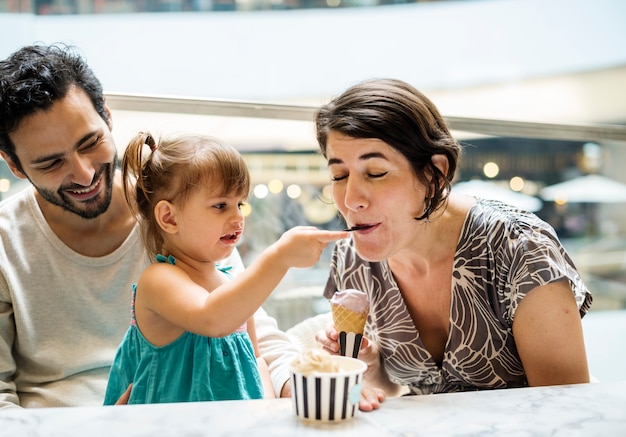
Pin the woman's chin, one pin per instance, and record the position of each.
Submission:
(369, 252)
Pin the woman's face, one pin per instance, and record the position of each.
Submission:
(375, 189)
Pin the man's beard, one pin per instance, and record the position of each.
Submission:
(90, 208)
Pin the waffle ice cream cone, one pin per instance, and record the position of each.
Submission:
(348, 320)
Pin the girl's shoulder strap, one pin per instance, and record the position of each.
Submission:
(163, 259)
(224, 269)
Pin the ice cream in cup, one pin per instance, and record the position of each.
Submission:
(349, 308)
(326, 387)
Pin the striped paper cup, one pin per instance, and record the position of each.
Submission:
(328, 397)
(350, 343)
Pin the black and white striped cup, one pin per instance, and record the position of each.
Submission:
(350, 343)
(328, 397)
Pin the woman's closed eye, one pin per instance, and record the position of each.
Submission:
(337, 178)
(377, 175)
(369, 175)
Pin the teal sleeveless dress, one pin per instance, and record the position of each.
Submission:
(191, 368)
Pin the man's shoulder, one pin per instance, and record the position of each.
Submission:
(16, 203)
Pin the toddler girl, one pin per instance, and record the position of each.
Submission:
(192, 335)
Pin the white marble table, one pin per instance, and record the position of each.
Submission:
(585, 410)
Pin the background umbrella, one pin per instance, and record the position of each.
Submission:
(586, 189)
(589, 190)
(493, 191)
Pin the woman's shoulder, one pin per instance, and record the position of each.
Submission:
(502, 229)
(496, 217)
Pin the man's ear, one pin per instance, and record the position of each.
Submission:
(165, 216)
(109, 119)
(14, 168)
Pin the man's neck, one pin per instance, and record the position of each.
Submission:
(98, 236)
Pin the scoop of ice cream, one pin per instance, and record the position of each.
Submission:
(351, 299)
(315, 360)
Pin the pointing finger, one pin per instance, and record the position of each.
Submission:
(328, 236)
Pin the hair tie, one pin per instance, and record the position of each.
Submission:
(150, 142)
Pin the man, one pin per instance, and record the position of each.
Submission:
(69, 246)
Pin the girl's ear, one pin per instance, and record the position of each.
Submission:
(165, 216)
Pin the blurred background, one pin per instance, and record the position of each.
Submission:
(535, 91)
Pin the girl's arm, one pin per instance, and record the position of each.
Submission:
(549, 336)
(169, 292)
(264, 371)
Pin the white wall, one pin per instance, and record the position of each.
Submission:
(605, 337)
(312, 54)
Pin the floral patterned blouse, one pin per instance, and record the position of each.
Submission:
(502, 254)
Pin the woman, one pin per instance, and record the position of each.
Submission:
(465, 293)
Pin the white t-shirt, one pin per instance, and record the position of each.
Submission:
(62, 314)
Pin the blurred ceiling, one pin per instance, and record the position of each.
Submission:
(561, 61)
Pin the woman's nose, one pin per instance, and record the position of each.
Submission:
(355, 197)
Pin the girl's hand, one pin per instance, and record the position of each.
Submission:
(302, 246)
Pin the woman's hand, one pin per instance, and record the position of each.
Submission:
(371, 398)
(372, 395)
(329, 340)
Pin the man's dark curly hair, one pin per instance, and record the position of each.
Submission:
(33, 78)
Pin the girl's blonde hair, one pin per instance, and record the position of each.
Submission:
(172, 169)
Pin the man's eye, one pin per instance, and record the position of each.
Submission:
(91, 144)
(337, 178)
(51, 166)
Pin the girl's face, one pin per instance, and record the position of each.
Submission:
(376, 190)
(210, 225)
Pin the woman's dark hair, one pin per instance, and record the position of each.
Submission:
(398, 114)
